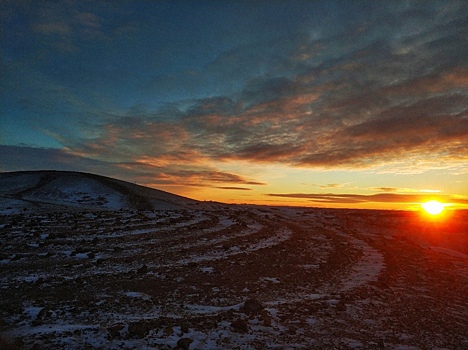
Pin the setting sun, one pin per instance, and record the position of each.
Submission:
(433, 207)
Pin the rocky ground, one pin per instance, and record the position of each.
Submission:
(237, 277)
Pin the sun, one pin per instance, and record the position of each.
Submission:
(433, 207)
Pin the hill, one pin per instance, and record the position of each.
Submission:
(64, 190)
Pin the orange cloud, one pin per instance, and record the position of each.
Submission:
(451, 80)
(372, 198)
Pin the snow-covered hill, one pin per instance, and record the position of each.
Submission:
(32, 190)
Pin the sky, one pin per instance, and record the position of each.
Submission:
(357, 104)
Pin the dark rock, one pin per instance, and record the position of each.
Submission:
(341, 306)
(37, 322)
(265, 317)
(183, 344)
(78, 250)
(184, 328)
(138, 329)
(142, 270)
(240, 325)
(252, 306)
(45, 311)
(115, 331)
(168, 330)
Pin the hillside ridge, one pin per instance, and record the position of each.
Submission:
(72, 189)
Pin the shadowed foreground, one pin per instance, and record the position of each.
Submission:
(232, 278)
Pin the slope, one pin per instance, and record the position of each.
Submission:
(64, 190)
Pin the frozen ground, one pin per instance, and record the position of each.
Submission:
(230, 278)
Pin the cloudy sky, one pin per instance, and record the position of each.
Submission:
(360, 104)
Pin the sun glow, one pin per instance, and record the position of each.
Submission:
(433, 207)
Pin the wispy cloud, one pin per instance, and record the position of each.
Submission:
(204, 178)
(371, 198)
(404, 190)
(330, 186)
(31, 158)
(233, 188)
(387, 189)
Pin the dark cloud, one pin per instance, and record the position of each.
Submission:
(387, 189)
(206, 178)
(146, 173)
(30, 158)
(234, 188)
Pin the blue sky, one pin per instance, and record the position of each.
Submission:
(263, 102)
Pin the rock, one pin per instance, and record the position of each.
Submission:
(45, 311)
(265, 318)
(114, 331)
(142, 270)
(240, 325)
(36, 322)
(168, 330)
(183, 344)
(184, 328)
(252, 306)
(79, 250)
(341, 306)
(138, 329)
(292, 330)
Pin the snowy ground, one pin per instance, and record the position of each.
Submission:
(234, 278)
